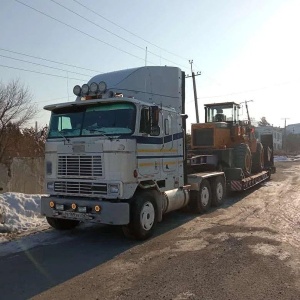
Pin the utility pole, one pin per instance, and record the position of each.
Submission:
(195, 89)
(284, 135)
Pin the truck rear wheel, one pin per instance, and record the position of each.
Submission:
(200, 201)
(62, 224)
(218, 191)
(143, 217)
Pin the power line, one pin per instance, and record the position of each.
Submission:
(31, 71)
(118, 36)
(29, 62)
(52, 61)
(129, 31)
(74, 28)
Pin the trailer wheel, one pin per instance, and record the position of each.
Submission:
(143, 217)
(218, 191)
(62, 224)
(200, 201)
(258, 159)
(243, 158)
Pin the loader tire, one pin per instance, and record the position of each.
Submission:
(62, 224)
(258, 159)
(242, 158)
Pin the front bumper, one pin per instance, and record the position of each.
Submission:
(110, 212)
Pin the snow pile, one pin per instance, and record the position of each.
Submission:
(19, 212)
(287, 158)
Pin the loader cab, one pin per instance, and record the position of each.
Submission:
(222, 112)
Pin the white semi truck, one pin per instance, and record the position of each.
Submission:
(117, 154)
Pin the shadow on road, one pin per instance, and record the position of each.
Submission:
(64, 255)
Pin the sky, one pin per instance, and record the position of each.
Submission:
(245, 50)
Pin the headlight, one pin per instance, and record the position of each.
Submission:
(50, 186)
(113, 188)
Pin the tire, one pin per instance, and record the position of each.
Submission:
(143, 217)
(258, 159)
(200, 201)
(218, 191)
(62, 224)
(242, 158)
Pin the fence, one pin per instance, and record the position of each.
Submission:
(24, 175)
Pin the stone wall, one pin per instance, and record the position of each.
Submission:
(24, 175)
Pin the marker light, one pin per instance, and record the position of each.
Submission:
(85, 89)
(102, 86)
(51, 204)
(73, 206)
(77, 90)
(97, 208)
(94, 87)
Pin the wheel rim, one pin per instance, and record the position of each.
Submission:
(147, 216)
(219, 190)
(204, 196)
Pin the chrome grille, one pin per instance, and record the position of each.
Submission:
(79, 165)
(87, 188)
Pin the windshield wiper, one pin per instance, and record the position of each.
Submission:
(67, 139)
(102, 132)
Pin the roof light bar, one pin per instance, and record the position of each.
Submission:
(77, 90)
(94, 87)
(85, 89)
(102, 86)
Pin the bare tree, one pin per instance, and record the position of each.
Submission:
(16, 108)
(263, 122)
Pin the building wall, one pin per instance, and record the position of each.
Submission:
(276, 132)
(293, 128)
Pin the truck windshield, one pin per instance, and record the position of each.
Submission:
(100, 119)
(222, 113)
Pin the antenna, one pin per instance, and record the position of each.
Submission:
(146, 56)
(68, 85)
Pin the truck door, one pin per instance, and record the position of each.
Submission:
(148, 147)
(169, 150)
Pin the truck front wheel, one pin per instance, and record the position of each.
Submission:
(143, 217)
(62, 224)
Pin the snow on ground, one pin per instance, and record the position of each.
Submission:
(19, 213)
(286, 158)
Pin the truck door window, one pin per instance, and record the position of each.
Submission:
(145, 120)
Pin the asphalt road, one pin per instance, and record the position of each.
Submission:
(247, 249)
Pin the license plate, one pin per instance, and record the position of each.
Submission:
(74, 215)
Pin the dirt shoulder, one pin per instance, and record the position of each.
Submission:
(247, 249)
